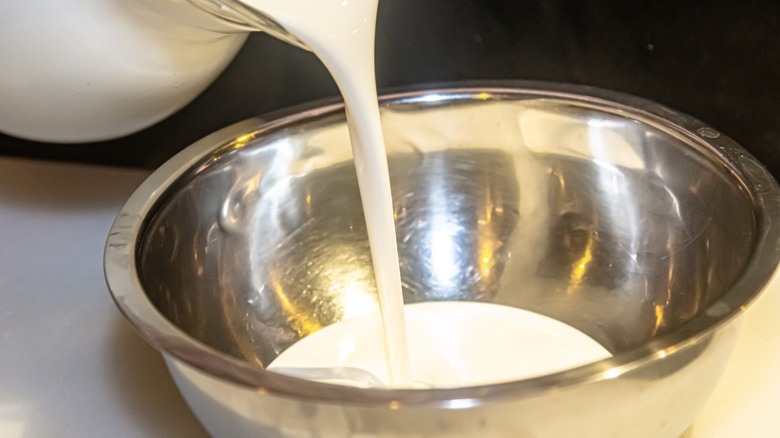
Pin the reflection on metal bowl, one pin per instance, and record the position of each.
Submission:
(637, 225)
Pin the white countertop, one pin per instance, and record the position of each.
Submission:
(70, 366)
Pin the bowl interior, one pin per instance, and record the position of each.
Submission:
(614, 224)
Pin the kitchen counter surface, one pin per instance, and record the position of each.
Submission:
(70, 366)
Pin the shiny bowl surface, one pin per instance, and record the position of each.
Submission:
(638, 225)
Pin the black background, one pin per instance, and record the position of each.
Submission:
(718, 61)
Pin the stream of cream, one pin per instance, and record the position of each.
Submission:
(454, 344)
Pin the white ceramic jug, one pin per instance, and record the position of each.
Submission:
(89, 70)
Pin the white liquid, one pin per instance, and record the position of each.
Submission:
(454, 344)
(341, 34)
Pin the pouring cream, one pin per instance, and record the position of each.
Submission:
(341, 34)
(454, 343)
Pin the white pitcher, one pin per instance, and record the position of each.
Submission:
(75, 71)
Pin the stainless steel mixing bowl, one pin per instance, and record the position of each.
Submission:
(638, 225)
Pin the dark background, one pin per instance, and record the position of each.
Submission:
(716, 60)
